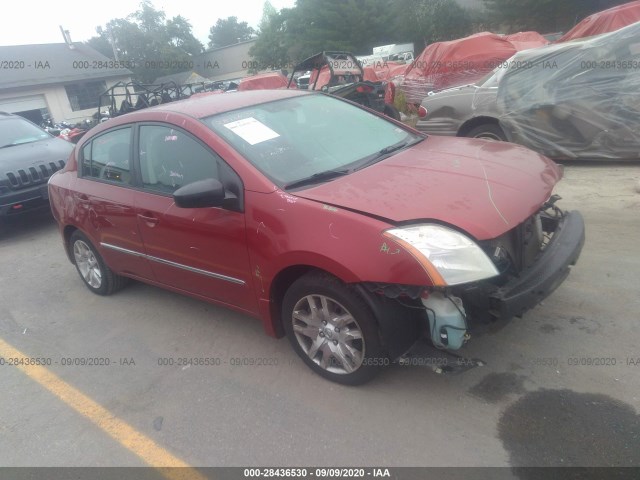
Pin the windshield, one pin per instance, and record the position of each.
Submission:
(296, 138)
(16, 130)
(492, 79)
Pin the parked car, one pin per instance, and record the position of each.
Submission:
(461, 61)
(348, 232)
(574, 100)
(465, 111)
(28, 157)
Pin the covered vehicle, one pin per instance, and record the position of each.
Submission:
(28, 158)
(342, 75)
(348, 232)
(571, 100)
(463, 61)
(268, 80)
(465, 111)
(604, 22)
(576, 100)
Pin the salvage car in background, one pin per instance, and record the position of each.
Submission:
(606, 21)
(342, 75)
(462, 61)
(28, 157)
(466, 111)
(572, 100)
(347, 231)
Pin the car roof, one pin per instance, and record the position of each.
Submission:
(212, 104)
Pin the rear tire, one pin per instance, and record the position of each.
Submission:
(332, 330)
(95, 274)
(488, 131)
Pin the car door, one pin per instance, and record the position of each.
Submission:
(104, 198)
(201, 251)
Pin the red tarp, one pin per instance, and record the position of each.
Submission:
(463, 61)
(325, 76)
(604, 22)
(264, 81)
(387, 70)
(526, 40)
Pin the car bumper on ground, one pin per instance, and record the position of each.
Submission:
(543, 277)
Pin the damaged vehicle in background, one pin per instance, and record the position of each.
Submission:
(350, 233)
(342, 75)
(574, 100)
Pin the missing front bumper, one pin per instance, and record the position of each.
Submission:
(538, 281)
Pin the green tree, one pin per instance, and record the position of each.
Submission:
(270, 49)
(181, 37)
(353, 25)
(356, 26)
(152, 45)
(229, 31)
(429, 21)
(543, 15)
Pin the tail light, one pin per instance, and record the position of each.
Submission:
(422, 112)
(364, 89)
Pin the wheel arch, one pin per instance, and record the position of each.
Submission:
(279, 286)
(66, 233)
(398, 328)
(474, 122)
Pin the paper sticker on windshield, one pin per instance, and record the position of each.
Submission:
(251, 130)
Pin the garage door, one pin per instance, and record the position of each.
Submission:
(22, 104)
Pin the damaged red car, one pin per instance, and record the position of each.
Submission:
(352, 234)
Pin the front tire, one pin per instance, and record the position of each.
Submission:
(488, 131)
(95, 274)
(332, 330)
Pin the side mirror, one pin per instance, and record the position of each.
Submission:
(200, 194)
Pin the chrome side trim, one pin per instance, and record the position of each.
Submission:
(122, 250)
(218, 276)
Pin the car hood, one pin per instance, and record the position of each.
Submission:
(482, 187)
(30, 154)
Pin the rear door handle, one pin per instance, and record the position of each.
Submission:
(150, 220)
(82, 199)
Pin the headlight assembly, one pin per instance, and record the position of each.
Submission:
(448, 256)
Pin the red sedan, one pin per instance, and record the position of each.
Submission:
(348, 232)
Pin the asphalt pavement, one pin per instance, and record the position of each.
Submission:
(561, 386)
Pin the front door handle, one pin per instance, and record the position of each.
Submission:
(150, 220)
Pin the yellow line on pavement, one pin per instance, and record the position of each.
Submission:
(138, 443)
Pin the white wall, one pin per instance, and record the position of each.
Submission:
(57, 100)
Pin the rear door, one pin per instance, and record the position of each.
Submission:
(104, 197)
(202, 251)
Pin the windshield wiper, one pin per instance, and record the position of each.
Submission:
(317, 178)
(386, 151)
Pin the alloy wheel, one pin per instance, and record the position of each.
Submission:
(328, 334)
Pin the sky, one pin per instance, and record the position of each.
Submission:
(38, 21)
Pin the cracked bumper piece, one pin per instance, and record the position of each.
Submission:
(543, 277)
